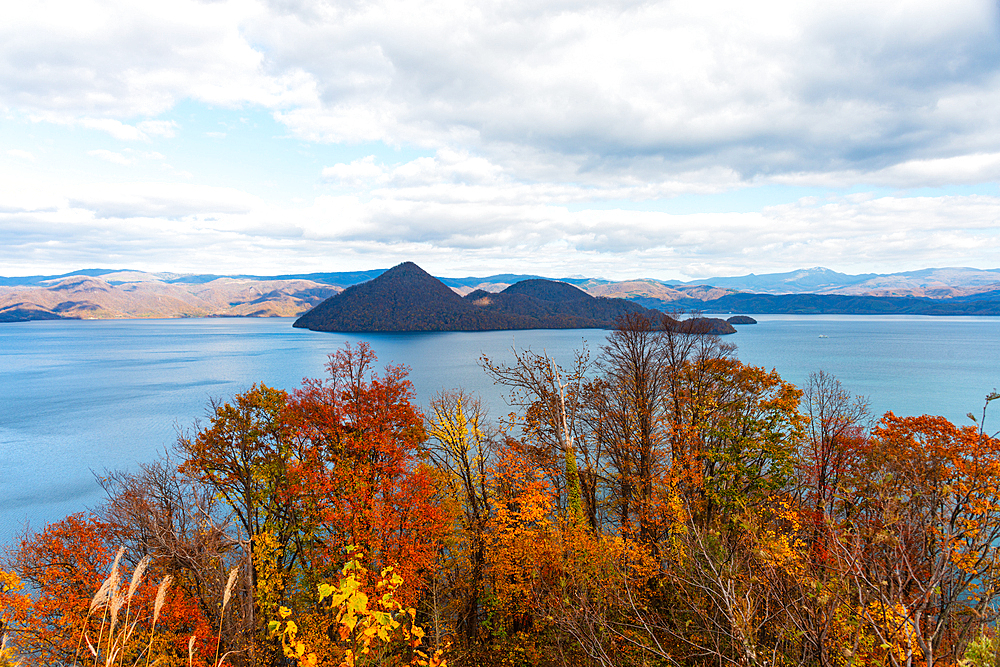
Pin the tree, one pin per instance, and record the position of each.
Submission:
(159, 512)
(54, 604)
(359, 476)
(627, 411)
(463, 446)
(60, 568)
(551, 401)
(244, 455)
(921, 542)
(838, 423)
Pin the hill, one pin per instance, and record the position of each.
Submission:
(81, 296)
(934, 283)
(126, 293)
(699, 325)
(407, 298)
(835, 304)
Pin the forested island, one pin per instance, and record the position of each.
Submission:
(407, 298)
(661, 503)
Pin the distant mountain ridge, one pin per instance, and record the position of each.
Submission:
(817, 280)
(407, 298)
(81, 296)
(832, 304)
(122, 293)
(947, 282)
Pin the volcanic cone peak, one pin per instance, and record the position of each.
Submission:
(407, 298)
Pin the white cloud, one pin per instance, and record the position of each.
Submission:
(159, 201)
(139, 132)
(538, 119)
(575, 92)
(971, 168)
(126, 157)
(156, 128)
(479, 228)
(21, 154)
(650, 88)
(110, 156)
(359, 173)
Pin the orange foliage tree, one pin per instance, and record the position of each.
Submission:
(921, 535)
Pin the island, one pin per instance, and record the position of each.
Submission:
(741, 319)
(710, 326)
(407, 298)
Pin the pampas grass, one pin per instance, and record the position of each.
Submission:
(119, 621)
(137, 575)
(161, 598)
(117, 628)
(110, 586)
(230, 583)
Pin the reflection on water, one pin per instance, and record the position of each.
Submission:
(83, 396)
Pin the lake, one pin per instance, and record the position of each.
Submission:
(78, 397)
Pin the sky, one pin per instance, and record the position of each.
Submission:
(616, 138)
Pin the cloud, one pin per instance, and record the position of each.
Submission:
(359, 173)
(21, 154)
(110, 156)
(142, 131)
(651, 88)
(118, 59)
(966, 169)
(478, 228)
(567, 93)
(160, 201)
(545, 128)
(126, 157)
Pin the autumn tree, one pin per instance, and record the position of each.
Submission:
(463, 447)
(921, 538)
(55, 607)
(626, 412)
(550, 399)
(838, 425)
(243, 456)
(360, 478)
(182, 524)
(698, 447)
(62, 566)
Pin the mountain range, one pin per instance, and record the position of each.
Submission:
(112, 293)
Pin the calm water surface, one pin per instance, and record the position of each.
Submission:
(79, 397)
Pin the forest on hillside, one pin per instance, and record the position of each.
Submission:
(659, 503)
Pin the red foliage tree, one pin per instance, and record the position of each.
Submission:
(360, 478)
(47, 600)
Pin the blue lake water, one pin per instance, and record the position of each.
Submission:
(78, 397)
